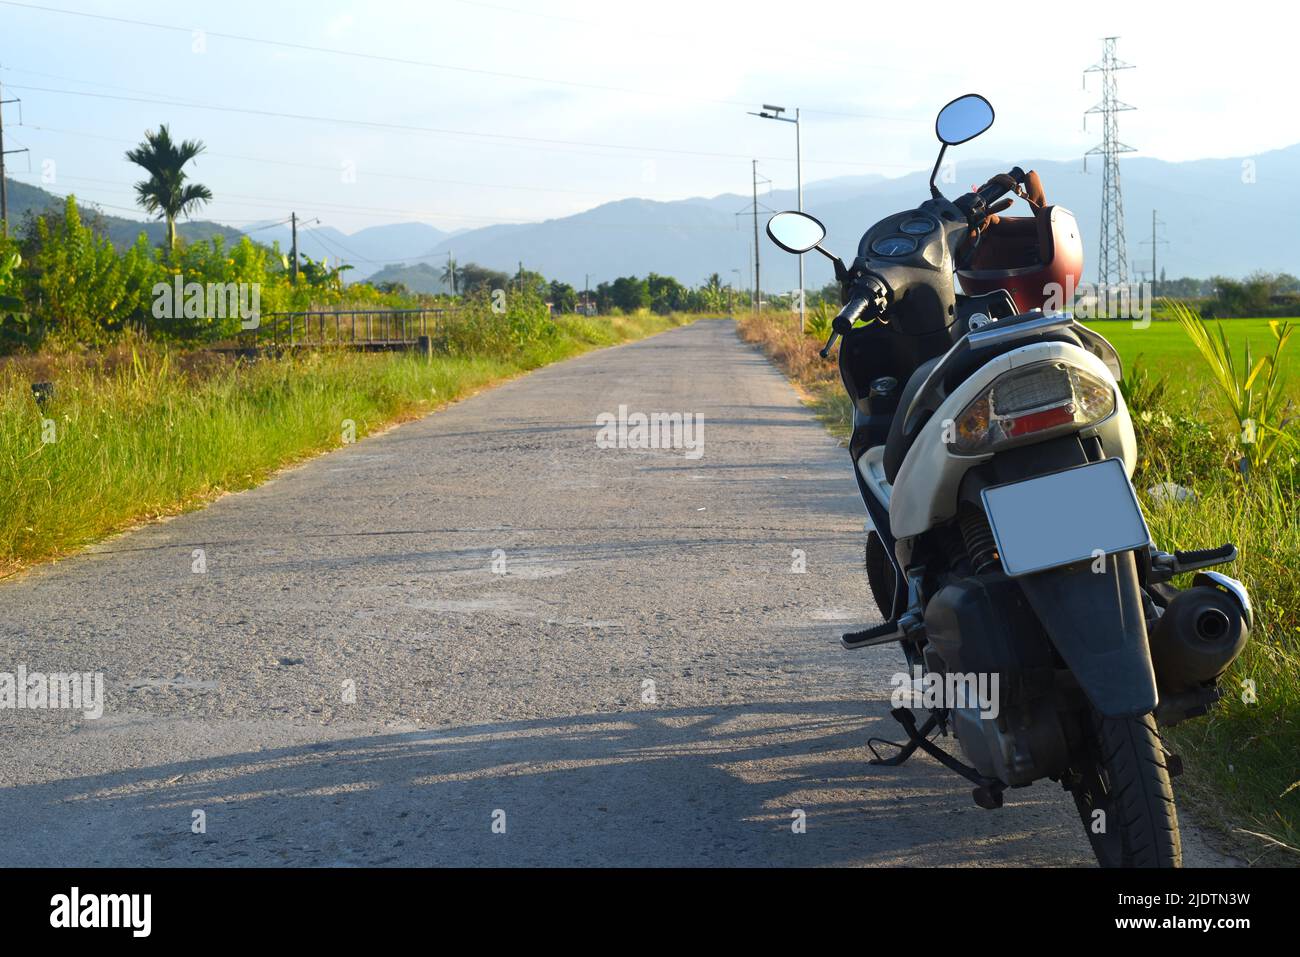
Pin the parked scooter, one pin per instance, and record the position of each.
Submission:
(994, 454)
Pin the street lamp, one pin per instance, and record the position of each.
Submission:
(770, 112)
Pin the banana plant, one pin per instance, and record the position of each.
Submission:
(9, 263)
(1254, 392)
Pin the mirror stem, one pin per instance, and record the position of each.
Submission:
(829, 255)
(934, 174)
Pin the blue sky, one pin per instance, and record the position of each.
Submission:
(485, 112)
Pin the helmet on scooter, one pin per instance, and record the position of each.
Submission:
(1038, 259)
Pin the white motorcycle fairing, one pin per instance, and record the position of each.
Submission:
(924, 493)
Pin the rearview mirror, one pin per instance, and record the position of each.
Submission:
(795, 232)
(963, 119)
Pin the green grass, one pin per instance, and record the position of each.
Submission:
(1165, 349)
(1242, 758)
(145, 432)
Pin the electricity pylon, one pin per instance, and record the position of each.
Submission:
(1112, 266)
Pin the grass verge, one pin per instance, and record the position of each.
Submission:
(142, 432)
(1242, 773)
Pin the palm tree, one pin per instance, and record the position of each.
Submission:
(165, 193)
(449, 273)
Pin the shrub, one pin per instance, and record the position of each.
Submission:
(76, 286)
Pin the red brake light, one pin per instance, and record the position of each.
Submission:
(1038, 421)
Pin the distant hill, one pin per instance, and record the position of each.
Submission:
(122, 231)
(419, 277)
(1221, 216)
(367, 251)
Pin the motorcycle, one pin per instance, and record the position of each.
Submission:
(1006, 549)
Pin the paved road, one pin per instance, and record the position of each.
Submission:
(479, 692)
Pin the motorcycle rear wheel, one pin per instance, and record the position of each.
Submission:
(1126, 777)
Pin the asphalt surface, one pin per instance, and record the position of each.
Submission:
(494, 591)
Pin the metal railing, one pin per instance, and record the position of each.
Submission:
(361, 328)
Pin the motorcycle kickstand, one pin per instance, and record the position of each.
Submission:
(914, 737)
(987, 791)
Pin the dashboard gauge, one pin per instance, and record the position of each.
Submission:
(894, 246)
(918, 226)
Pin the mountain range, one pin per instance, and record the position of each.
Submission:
(1226, 216)
(1215, 217)
(25, 199)
(367, 250)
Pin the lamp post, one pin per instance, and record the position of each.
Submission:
(770, 112)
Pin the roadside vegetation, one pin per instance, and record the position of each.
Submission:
(1219, 443)
(118, 405)
(138, 430)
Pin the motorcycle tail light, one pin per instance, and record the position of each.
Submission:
(1035, 402)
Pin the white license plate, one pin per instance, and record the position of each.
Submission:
(1065, 517)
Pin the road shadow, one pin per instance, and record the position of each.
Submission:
(656, 787)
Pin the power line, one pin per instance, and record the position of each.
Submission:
(279, 202)
(408, 61)
(4, 187)
(753, 209)
(380, 174)
(427, 130)
(1155, 241)
(336, 246)
(168, 100)
(258, 229)
(386, 213)
(642, 31)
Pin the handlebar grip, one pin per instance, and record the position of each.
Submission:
(842, 324)
(850, 314)
(1000, 185)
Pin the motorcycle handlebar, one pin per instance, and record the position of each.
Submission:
(850, 314)
(1000, 185)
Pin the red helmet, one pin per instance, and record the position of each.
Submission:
(1037, 259)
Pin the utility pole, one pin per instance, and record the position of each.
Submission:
(451, 268)
(293, 269)
(4, 186)
(774, 113)
(1155, 241)
(1112, 266)
(753, 299)
(753, 209)
(586, 294)
(758, 286)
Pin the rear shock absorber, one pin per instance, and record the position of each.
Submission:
(978, 536)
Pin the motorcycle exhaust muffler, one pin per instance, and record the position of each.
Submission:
(1201, 633)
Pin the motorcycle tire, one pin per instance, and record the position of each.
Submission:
(1126, 777)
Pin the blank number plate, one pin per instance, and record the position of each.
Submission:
(1065, 517)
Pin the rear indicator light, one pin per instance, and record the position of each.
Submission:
(1034, 402)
